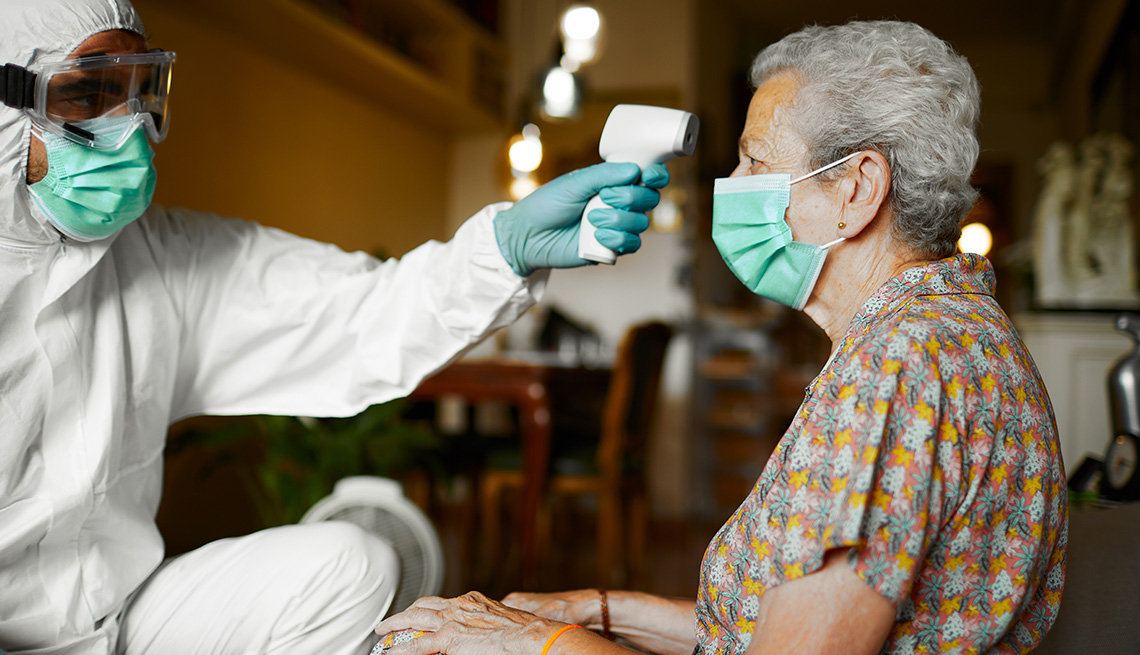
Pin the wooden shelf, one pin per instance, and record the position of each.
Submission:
(439, 68)
(731, 365)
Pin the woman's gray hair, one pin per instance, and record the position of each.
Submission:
(895, 88)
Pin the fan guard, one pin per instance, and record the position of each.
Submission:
(378, 506)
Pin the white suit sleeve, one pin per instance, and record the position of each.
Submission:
(277, 324)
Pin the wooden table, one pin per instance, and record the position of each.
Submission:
(542, 391)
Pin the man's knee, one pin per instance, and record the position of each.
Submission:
(311, 588)
(350, 559)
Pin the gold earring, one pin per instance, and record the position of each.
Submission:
(842, 225)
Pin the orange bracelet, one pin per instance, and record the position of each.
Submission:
(556, 635)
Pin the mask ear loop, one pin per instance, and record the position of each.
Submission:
(824, 168)
(817, 171)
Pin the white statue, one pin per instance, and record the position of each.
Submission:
(1049, 219)
(1083, 234)
(1111, 239)
(1079, 264)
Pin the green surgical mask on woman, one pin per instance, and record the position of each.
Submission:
(756, 242)
(90, 194)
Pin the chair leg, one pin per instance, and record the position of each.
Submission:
(469, 530)
(635, 553)
(609, 535)
(544, 530)
(490, 508)
(418, 487)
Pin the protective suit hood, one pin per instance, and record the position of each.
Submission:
(30, 31)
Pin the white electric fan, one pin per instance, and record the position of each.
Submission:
(379, 507)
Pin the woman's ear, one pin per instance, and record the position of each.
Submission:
(864, 191)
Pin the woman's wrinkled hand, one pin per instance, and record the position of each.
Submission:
(471, 624)
(581, 606)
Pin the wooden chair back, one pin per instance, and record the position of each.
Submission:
(631, 401)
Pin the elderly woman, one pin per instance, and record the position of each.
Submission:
(917, 502)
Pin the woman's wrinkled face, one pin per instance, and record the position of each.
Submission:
(769, 144)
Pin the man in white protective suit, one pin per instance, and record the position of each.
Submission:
(118, 318)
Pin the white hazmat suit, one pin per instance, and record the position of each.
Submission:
(104, 344)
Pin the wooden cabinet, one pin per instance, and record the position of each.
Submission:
(732, 393)
(752, 366)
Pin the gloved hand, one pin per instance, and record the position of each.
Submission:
(541, 230)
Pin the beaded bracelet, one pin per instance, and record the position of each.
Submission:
(605, 614)
(556, 635)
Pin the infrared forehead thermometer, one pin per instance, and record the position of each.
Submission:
(643, 135)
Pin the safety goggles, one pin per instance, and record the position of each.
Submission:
(73, 97)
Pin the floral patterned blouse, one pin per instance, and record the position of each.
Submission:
(928, 446)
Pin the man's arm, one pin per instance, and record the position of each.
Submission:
(830, 611)
(652, 623)
(276, 324)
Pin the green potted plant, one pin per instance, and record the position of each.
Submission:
(302, 458)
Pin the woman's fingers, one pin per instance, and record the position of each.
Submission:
(471, 624)
(522, 600)
(566, 606)
(413, 618)
(430, 602)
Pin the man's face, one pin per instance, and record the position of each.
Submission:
(116, 42)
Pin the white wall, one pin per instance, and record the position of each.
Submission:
(1074, 353)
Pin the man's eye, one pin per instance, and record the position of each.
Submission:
(89, 100)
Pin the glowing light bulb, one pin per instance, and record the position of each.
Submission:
(581, 23)
(580, 26)
(976, 238)
(525, 153)
(560, 93)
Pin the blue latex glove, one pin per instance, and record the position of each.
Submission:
(541, 230)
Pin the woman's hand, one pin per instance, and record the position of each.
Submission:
(582, 606)
(471, 624)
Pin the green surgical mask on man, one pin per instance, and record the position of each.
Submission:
(89, 194)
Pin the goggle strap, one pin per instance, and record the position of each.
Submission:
(17, 87)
